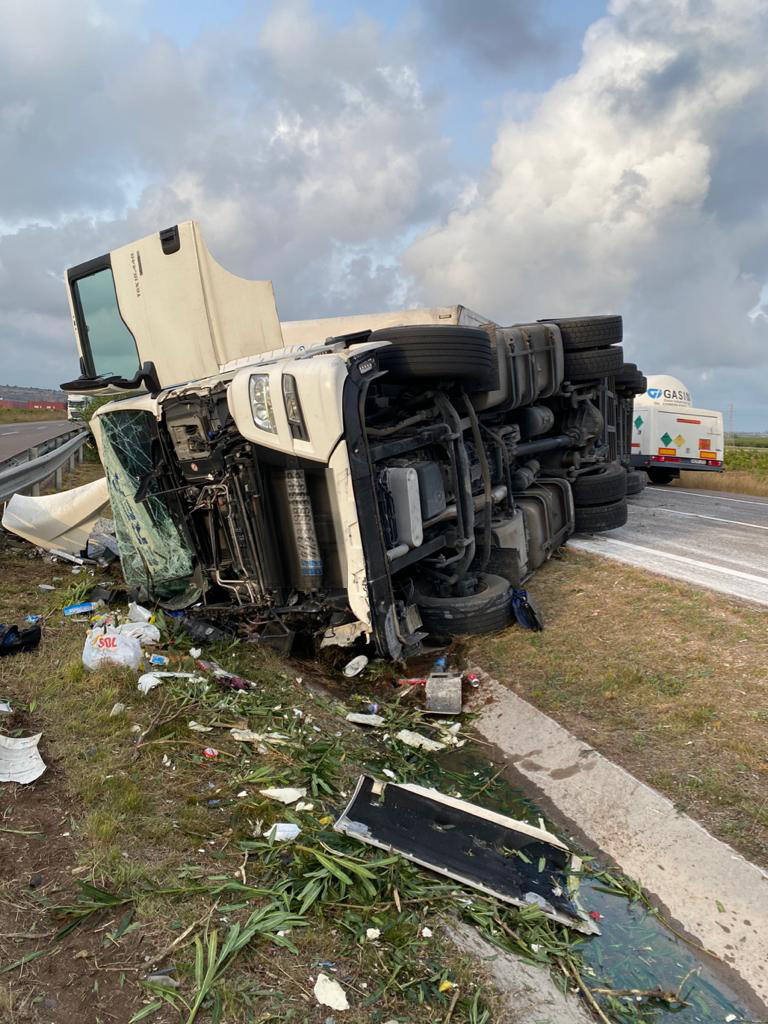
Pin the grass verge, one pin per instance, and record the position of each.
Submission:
(666, 679)
(746, 472)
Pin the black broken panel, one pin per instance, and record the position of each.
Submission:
(467, 843)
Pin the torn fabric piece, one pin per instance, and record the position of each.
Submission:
(20, 760)
(512, 860)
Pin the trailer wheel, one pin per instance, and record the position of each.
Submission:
(636, 481)
(487, 611)
(588, 332)
(661, 477)
(599, 518)
(594, 364)
(600, 486)
(630, 380)
(434, 352)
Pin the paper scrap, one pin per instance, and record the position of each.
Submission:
(415, 739)
(358, 719)
(329, 992)
(282, 832)
(20, 760)
(286, 795)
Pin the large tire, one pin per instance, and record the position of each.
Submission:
(661, 477)
(487, 611)
(602, 486)
(594, 364)
(588, 332)
(636, 481)
(631, 381)
(599, 518)
(439, 353)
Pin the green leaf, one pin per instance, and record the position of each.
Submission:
(145, 1011)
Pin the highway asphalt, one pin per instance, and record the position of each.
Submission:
(715, 540)
(17, 437)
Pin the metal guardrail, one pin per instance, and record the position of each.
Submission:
(31, 474)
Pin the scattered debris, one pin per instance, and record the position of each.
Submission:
(15, 641)
(150, 680)
(211, 753)
(138, 613)
(224, 678)
(356, 666)
(158, 659)
(32, 619)
(304, 805)
(282, 832)
(109, 646)
(426, 933)
(83, 607)
(246, 736)
(372, 934)
(5, 708)
(415, 739)
(286, 795)
(45, 586)
(372, 719)
(195, 652)
(117, 709)
(345, 635)
(512, 860)
(20, 760)
(443, 694)
(525, 611)
(61, 521)
(145, 632)
(328, 992)
(196, 727)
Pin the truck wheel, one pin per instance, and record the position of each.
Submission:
(487, 611)
(588, 332)
(636, 481)
(594, 364)
(661, 477)
(599, 518)
(601, 486)
(433, 352)
(631, 380)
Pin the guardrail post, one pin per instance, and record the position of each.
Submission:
(33, 453)
(58, 478)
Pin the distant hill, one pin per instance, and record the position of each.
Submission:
(18, 393)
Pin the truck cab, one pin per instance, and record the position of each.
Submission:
(368, 479)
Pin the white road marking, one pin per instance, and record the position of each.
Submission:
(682, 559)
(718, 497)
(745, 585)
(714, 519)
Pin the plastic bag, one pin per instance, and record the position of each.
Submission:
(110, 646)
(144, 632)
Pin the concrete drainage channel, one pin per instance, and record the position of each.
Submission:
(710, 895)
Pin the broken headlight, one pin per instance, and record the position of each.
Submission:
(293, 408)
(261, 402)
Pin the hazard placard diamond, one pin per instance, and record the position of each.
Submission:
(639, 422)
(679, 441)
(666, 439)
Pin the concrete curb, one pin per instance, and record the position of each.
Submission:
(670, 854)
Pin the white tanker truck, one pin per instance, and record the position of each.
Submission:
(669, 434)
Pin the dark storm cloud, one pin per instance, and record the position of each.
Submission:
(496, 33)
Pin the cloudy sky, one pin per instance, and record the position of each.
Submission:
(525, 159)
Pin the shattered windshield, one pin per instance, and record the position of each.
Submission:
(154, 554)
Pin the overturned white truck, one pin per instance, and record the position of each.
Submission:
(382, 476)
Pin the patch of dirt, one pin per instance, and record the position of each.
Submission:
(78, 978)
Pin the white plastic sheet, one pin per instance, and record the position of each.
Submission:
(20, 760)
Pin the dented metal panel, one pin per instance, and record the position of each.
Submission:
(512, 860)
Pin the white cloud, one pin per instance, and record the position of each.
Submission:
(613, 195)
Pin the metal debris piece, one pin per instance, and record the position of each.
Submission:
(519, 863)
(356, 666)
(443, 694)
(286, 795)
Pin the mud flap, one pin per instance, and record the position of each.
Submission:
(512, 860)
